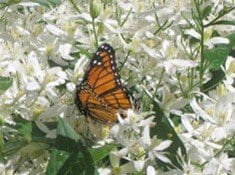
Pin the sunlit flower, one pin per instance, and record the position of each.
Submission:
(230, 73)
(220, 165)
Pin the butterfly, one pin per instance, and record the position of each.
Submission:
(101, 94)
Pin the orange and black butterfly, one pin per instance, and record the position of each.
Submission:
(101, 94)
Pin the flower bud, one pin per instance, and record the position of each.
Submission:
(95, 8)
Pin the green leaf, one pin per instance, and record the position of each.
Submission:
(29, 130)
(216, 78)
(175, 119)
(84, 51)
(231, 41)
(13, 146)
(5, 83)
(78, 158)
(64, 129)
(23, 127)
(218, 74)
(231, 147)
(57, 160)
(1, 141)
(224, 22)
(100, 153)
(216, 56)
(163, 130)
(26, 130)
(46, 3)
(52, 63)
(207, 10)
(3, 159)
(79, 162)
(24, 134)
(6, 3)
(67, 139)
(26, 127)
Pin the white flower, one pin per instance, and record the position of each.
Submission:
(193, 33)
(171, 66)
(218, 114)
(54, 77)
(221, 165)
(230, 73)
(200, 112)
(151, 170)
(32, 86)
(104, 171)
(64, 50)
(55, 30)
(29, 4)
(216, 40)
(129, 167)
(149, 51)
(158, 151)
(70, 86)
(79, 67)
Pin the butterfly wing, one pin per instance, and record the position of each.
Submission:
(101, 94)
(102, 74)
(95, 107)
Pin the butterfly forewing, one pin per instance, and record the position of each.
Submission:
(101, 94)
(102, 73)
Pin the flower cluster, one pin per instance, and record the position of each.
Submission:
(176, 55)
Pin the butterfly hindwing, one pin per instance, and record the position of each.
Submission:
(118, 99)
(95, 107)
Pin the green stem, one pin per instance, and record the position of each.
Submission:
(180, 85)
(160, 80)
(95, 34)
(120, 68)
(35, 98)
(75, 6)
(127, 16)
(218, 17)
(201, 70)
(199, 21)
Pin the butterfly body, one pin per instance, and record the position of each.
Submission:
(101, 94)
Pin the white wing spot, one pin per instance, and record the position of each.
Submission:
(97, 53)
(116, 74)
(106, 48)
(109, 51)
(102, 46)
(113, 67)
(99, 63)
(111, 61)
(111, 56)
(95, 61)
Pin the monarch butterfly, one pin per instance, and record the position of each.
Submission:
(101, 94)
